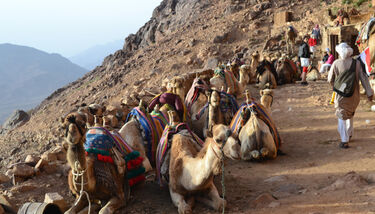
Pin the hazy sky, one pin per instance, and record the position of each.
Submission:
(71, 26)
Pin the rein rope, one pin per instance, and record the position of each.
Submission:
(79, 174)
(222, 176)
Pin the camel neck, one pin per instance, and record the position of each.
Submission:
(211, 157)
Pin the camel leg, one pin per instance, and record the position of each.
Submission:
(214, 200)
(113, 204)
(80, 205)
(91, 180)
(269, 149)
(179, 201)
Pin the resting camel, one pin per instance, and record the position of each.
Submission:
(134, 134)
(191, 171)
(255, 135)
(226, 79)
(286, 71)
(266, 75)
(290, 36)
(202, 119)
(112, 188)
(245, 75)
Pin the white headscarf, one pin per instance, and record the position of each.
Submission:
(344, 50)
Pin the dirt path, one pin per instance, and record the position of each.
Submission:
(300, 180)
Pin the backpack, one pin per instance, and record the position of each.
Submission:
(344, 83)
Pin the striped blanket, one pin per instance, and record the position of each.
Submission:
(173, 101)
(238, 122)
(100, 141)
(162, 153)
(228, 104)
(152, 126)
(229, 78)
(197, 87)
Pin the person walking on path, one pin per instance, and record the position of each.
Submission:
(327, 61)
(304, 55)
(312, 43)
(316, 32)
(346, 106)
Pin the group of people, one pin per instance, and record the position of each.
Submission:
(339, 70)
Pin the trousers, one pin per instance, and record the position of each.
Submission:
(345, 129)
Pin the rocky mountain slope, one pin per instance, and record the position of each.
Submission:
(29, 75)
(182, 36)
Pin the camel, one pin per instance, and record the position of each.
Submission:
(286, 71)
(290, 36)
(266, 99)
(245, 75)
(90, 111)
(266, 75)
(112, 188)
(257, 140)
(191, 171)
(226, 79)
(312, 74)
(203, 121)
(134, 134)
(253, 66)
(118, 110)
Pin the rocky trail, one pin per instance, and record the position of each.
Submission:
(314, 175)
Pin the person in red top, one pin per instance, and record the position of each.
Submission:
(312, 44)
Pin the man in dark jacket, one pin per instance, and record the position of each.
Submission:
(304, 55)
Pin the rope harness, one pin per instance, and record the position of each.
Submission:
(76, 175)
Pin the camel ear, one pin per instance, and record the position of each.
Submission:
(62, 120)
(261, 92)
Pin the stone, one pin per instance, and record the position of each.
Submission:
(274, 204)
(40, 164)
(57, 199)
(263, 200)
(60, 153)
(4, 178)
(232, 9)
(32, 160)
(279, 178)
(211, 63)
(49, 156)
(351, 179)
(6, 206)
(23, 171)
(16, 119)
(26, 187)
(50, 168)
(287, 190)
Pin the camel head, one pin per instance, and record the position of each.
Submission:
(214, 98)
(174, 119)
(266, 98)
(75, 128)
(223, 135)
(97, 109)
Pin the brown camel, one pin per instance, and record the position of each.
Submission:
(266, 75)
(290, 37)
(191, 171)
(286, 71)
(255, 135)
(226, 79)
(111, 187)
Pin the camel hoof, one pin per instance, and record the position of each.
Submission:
(221, 204)
(255, 154)
(264, 152)
(185, 209)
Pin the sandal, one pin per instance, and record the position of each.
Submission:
(344, 145)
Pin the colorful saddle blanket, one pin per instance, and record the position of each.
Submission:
(197, 87)
(152, 126)
(173, 100)
(100, 141)
(228, 104)
(162, 154)
(238, 122)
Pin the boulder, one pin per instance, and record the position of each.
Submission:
(211, 63)
(263, 200)
(49, 156)
(32, 160)
(4, 178)
(16, 119)
(57, 199)
(23, 171)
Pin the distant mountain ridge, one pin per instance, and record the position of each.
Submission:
(29, 75)
(94, 56)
